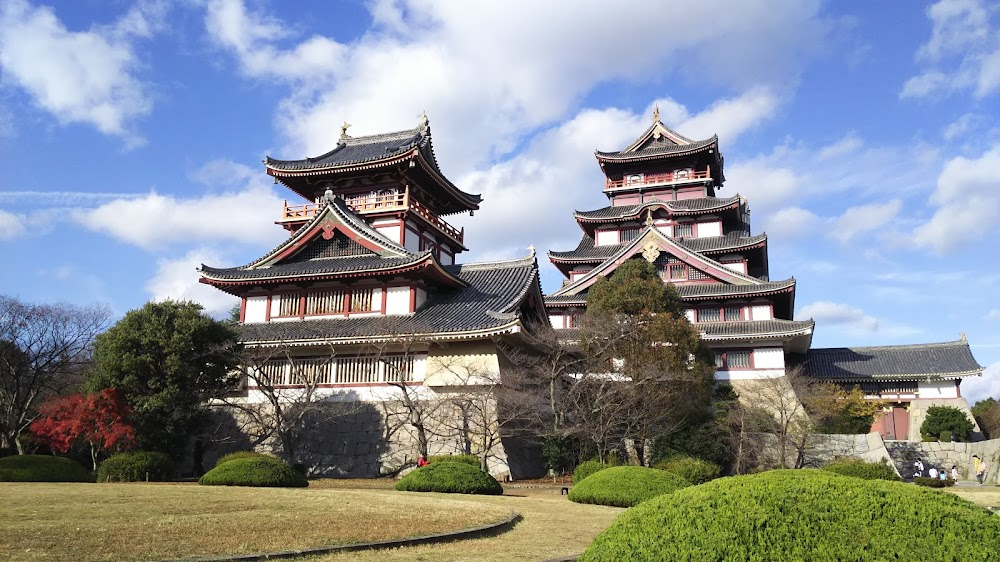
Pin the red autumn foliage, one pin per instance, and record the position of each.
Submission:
(100, 420)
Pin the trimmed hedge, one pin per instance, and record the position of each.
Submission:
(801, 515)
(625, 486)
(136, 466)
(262, 471)
(586, 468)
(471, 460)
(450, 478)
(858, 468)
(695, 471)
(933, 482)
(42, 468)
(240, 455)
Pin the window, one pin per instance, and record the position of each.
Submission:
(678, 272)
(288, 305)
(361, 301)
(325, 302)
(720, 314)
(628, 234)
(681, 230)
(302, 371)
(734, 359)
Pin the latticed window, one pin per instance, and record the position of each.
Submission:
(696, 274)
(628, 234)
(288, 305)
(325, 302)
(720, 314)
(271, 373)
(683, 230)
(879, 388)
(361, 301)
(303, 371)
(734, 359)
(709, 315)
(311, 371)
(339, 246)
(732, 313)
(678, 271)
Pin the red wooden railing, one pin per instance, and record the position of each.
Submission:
(372, 203)
(657, 179)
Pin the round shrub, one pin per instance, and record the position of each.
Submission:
(801, 515)
(858, 468)
(933, 482)
(263, 471)
(136, 466)
(947, 418)
(42, 468)
(241, 455)
(471, 460)
(695, 471)
(450, 478)
(625, 486)
(586, 468)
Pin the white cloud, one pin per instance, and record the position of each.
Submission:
(155, 221)
(962, 53)
(11, 225)
(994, 314)
(790, 222)
(177, 279)
(730, 117)
(485, 86)
(850, 143)
(968, 203)
(79, 76)
(834, 313)
(975, 389)
(864, 218)
(960, 126)
(766, 183)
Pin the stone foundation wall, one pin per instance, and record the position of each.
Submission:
(948, 454)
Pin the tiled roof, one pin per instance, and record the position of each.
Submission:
(700, 204)
(580, 299)
(587, 252)
(705, 290)
(931, 360)
(658, 147)
(754, 328)
(368, 263)
(491, 300)
(358, 150)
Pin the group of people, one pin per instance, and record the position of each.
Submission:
(934, 472)
(980, 468)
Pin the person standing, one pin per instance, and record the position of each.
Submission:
(954, 472)
(981, 471)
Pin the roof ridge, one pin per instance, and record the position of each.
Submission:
(952, 343)
(506, 264)
(352, 140)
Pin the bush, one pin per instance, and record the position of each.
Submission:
(947, 418)
(928, 438)
(586, 468)
(933, 482)
(625, 486)
(858, 468)
(241, 455)
(471, 460)
(801, 515)
(450, 478)
(695, 471)
(946, 436)
(261, 471)
(137, 466)
(42, 468)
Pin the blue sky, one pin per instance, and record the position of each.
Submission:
(865, 135)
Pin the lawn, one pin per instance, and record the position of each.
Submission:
(150, 521)
(988, 496)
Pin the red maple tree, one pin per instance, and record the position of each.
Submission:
(99, 420)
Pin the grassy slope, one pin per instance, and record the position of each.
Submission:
(145, 521)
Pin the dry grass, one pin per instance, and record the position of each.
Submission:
(988, 496)
(552, 527)
(145, 521)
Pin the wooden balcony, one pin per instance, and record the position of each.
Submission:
(380, 203)
(640, 180)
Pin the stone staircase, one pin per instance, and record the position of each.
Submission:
(903, 453)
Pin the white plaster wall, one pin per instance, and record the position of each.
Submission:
(397, 300)
(706, 229)
(391, 232)
(421, 297)
(556, 320)
(740, 266)
(607, 237)
(749, 374)
(937, 389)
(256, 310)
(758, 312)
(412, 241)
(462, 364)
(690, 314)
(769, 358)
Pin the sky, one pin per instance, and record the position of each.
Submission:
(866, 136)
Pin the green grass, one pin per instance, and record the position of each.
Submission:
(451, 478)
(625, 486)
(264, 472)
(42, 468)
(801, 515)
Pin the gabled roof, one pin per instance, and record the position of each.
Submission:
(489, 303)
(755, 329)
(947, 360)
(700, 205)
(370, 254)
(658, 140)
(650, 235)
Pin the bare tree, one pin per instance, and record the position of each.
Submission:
(44, 350)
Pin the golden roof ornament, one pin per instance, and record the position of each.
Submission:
(963, 336)
(343, 130)
(651, 251)
(656, 113)
(424, 121)
(649, 217)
